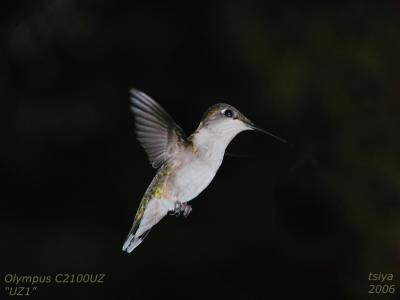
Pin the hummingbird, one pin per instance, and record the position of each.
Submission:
(186, 165)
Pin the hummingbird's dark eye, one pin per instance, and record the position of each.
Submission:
(228, 113)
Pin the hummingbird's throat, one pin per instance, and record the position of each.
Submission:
(214, 140)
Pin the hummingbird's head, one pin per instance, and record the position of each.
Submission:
(225, 121)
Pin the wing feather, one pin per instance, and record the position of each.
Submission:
(156, 131)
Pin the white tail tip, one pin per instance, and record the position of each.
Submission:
(131, 243)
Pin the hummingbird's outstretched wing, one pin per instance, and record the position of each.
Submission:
(157, 132)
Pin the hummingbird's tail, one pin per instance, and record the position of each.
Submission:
(154, 211)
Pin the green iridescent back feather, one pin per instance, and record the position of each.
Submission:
(155, 190)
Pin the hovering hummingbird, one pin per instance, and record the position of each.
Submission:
(186, 165)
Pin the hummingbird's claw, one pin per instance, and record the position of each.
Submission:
(187, 210)
(181, 208)
(177, 209)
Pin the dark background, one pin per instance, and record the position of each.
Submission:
(310, 219)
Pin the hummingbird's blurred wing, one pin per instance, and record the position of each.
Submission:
(156, 130)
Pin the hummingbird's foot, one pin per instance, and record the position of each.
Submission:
(186, 210)
(181, 208)
(177, 209)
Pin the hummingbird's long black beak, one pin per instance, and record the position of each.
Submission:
(254, 127)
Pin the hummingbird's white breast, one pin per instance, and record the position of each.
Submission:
(197, 166)
(193, 176)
